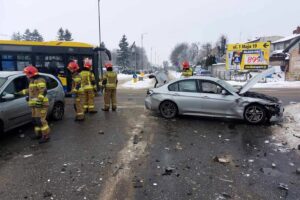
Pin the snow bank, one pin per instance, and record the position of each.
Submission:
(145, 84)
(122, 77)
(278, 84)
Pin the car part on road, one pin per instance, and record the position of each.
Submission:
(58, 111)
(255, 114)
(168, 109)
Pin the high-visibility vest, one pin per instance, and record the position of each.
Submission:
(187, 73)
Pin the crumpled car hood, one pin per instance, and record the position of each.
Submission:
(255, 79)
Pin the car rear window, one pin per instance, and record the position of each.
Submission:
(51, 83)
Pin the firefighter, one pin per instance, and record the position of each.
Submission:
(110, 81)
(38, 102)
(187, 71)
(77, 91)
(88, 85)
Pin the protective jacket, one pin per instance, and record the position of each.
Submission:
(110, 80)
(187, 73)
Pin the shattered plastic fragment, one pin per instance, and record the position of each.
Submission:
(283, 186)
(27, 156)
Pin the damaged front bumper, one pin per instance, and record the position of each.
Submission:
(275, 110)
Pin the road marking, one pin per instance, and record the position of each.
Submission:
(129, 153)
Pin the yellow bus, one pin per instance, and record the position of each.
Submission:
(49, 57)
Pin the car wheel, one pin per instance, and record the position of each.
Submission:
(168, 109)
(255, 114)
(58, 111)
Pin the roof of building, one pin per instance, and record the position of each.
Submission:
(287, 49)
(288, 38)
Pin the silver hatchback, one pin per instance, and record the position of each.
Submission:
(14, 110)
(208, 96)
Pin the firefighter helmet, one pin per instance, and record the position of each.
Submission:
(30, 71)
(73, 66)
(108, 65)
(186, 65)
(88, 64)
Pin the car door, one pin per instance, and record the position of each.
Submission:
(16, 109)
(51, 92)
(186, 95)
(213, 101)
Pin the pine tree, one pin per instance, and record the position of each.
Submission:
(16, 36)
(61, 34)
(27, 36)
(68, 35)
(36, 36)
(123, 53)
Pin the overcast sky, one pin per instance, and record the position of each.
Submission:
(166, 22)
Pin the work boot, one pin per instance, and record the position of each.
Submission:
(114, 109)
(93, 111)
(44, 139)
(105, 109)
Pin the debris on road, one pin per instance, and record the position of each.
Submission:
(283, 186)
(178, 146)
(223, 159)
(168, 171)
(273, 165)
(226, 195)
(155, 184)
(101, 132)
(135, 139)
(27, 156)
(298, 146)
(267, 141)
(22, 136)
(47, 194)
(298, 171)
(296, 135)
(137, 182)
(80, 188)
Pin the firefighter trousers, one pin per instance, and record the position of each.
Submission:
(110, 97)
(39, 116)
(89, 103)
(79, 105)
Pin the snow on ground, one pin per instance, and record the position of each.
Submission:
(145, 84)
(279, 84)
(288, 133)
(122, 77)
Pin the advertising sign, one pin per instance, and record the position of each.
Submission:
(250, 56)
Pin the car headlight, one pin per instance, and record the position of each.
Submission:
(149, 92)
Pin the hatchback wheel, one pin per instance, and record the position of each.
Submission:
(255, 114)
(168, 109)
(58, 111)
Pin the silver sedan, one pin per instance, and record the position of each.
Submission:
(212, 97)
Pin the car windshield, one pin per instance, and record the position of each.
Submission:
(2, 81)
(227, 86)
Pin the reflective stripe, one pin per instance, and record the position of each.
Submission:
(91, 106)
(44, 128)
(41, 97)
(80, 113)
(37, 128)
(85, 106)
(32, 85)
(41, 84)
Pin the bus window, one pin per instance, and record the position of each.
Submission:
(8, 63)
(23, 60)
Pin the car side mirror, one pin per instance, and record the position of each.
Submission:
(7, 96)
(224, 92)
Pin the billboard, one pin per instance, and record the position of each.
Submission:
(250, 56)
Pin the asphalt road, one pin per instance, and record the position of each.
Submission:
(135, 154)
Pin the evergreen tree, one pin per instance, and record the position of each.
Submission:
(16, 36)
(123, 53)
(36, 36)
(60, 34)
(27, 36)
(68, 35)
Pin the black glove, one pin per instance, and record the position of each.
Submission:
(104, 82)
